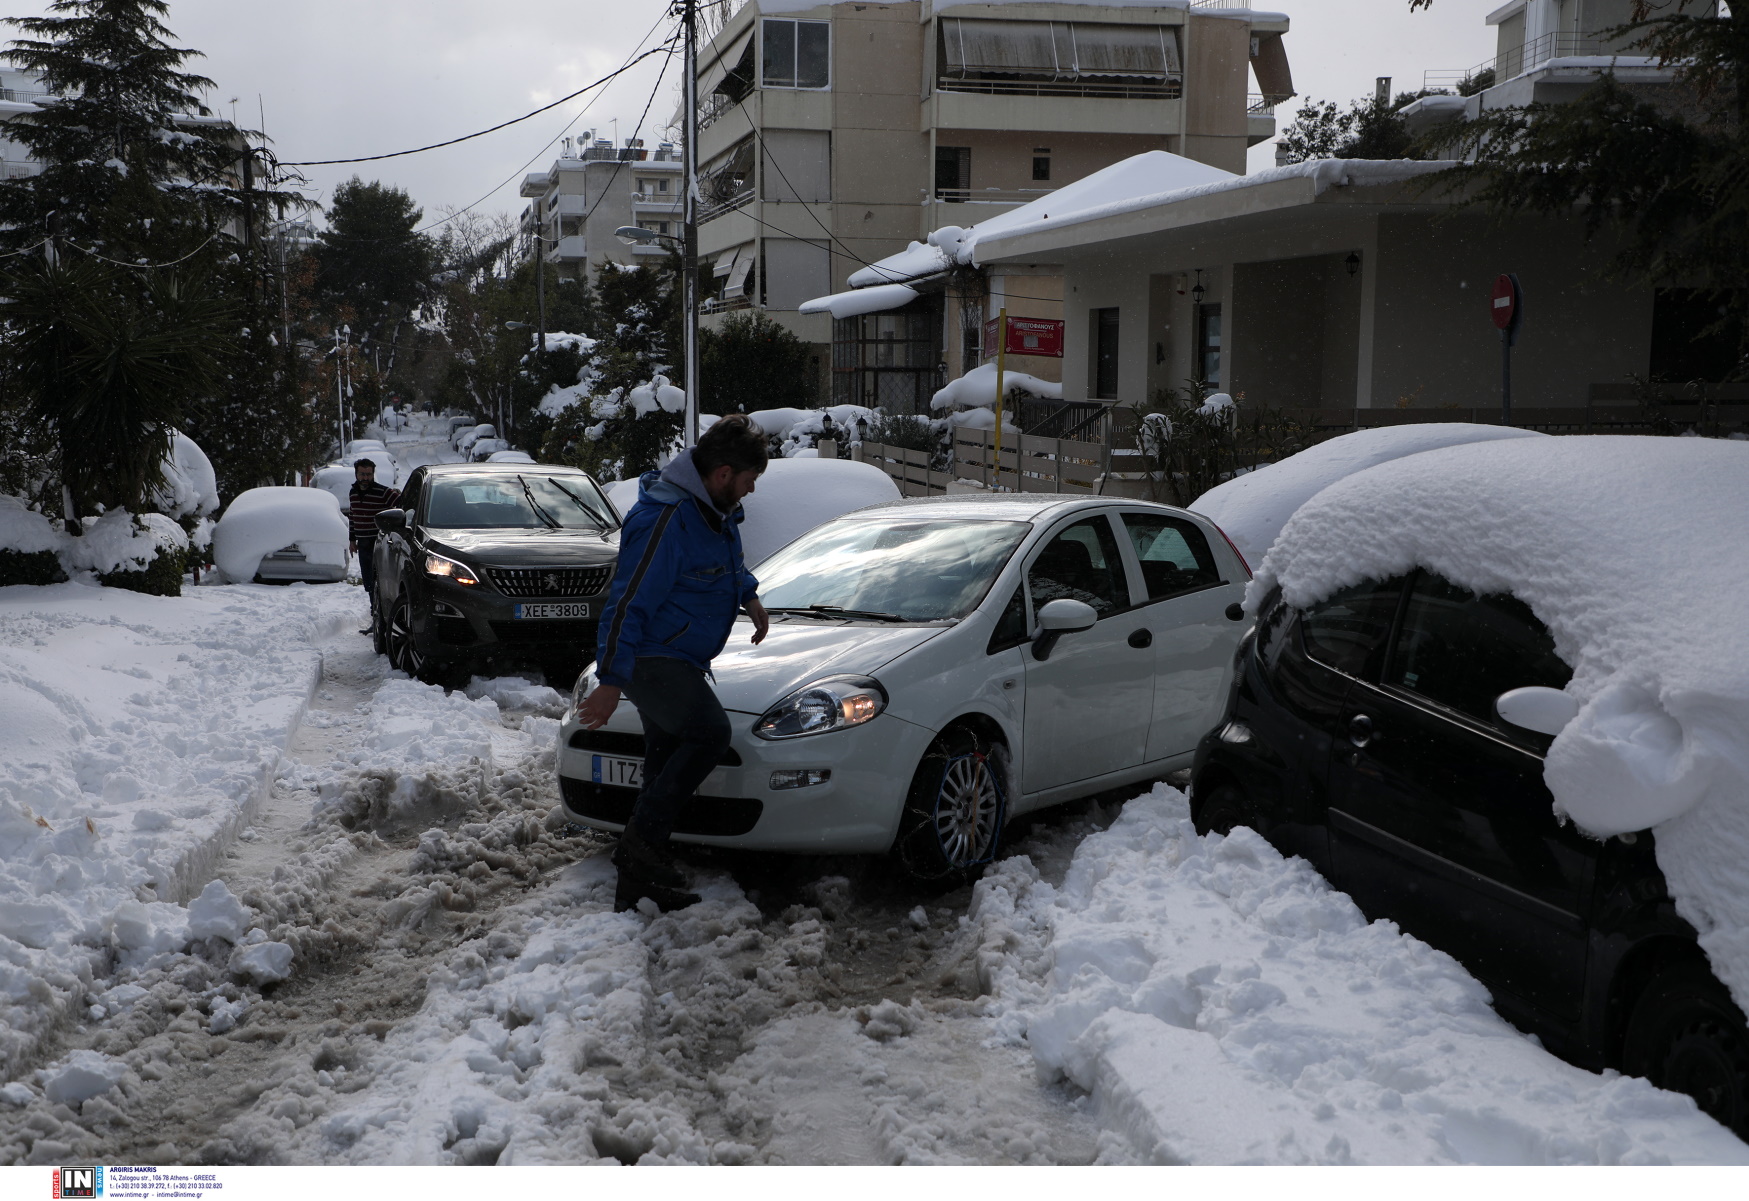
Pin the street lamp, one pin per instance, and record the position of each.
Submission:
(637, 235)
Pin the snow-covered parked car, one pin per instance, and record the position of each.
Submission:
(483, 449)
(1497, 694)
(937, 666)
(281, 535)
(509, 456)
(462, 438)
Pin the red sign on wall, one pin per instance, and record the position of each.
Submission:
(1026, 335)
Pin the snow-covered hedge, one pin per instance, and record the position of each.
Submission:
(29, 546)
(143, 553)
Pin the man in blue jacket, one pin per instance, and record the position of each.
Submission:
(680, 582)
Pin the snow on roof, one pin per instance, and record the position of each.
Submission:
(1151, 173)
(1323, 173)
(1634, 552)
(1252, 508)
(858, 301)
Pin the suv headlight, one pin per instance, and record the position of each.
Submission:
(836, 703)
(449, 569)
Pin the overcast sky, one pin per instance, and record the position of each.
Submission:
(345, 78)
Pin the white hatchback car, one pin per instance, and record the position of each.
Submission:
(938, 665)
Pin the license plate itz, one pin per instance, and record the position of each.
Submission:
(553, 609)
(622, 773)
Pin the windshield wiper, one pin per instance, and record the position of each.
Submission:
(840, 611)
(547, 518)
(600, 518)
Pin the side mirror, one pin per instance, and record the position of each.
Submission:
(1059, 617)
(1545, 710)
(392, 521)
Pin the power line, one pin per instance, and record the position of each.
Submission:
(371, 158)
(145, 266)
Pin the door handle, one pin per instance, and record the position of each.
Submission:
(1360, 730)
(1141, 638)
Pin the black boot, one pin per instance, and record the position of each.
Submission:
(652, 866)
(631, 890)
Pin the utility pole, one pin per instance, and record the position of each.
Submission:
(689, 216)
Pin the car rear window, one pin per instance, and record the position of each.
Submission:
(1349, 630)
(1462, 651)
(1173, 553)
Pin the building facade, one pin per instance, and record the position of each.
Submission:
(831, 137)
(593, 188)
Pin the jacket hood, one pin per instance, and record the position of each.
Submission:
(750, 679)
(675, 482)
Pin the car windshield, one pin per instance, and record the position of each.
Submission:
(520, 501)
(889, 568)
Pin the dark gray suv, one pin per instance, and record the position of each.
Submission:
(489, 565)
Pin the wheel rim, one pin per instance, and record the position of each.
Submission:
(966, 810)
(403, 649)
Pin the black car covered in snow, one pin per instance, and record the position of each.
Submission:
(487, 565)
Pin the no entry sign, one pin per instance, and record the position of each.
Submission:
(1507, 303)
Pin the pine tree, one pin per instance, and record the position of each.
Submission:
(751, 362)
(372, 257)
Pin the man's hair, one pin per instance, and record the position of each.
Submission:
(370, 463)
(734, 440)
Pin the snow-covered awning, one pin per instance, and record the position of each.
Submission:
(858, 301)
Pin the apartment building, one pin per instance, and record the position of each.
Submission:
(593, 188)
(832, 136)
(19, 92)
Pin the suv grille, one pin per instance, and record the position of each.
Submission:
(550, 581)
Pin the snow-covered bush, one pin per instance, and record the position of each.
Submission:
(146, 552)
(621, 434)
(29, 543)
(1192, 439)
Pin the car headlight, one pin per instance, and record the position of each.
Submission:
(587, 682)
(836, 703)
(449, 569)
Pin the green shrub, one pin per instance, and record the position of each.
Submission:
(30, 567)
(161, 577)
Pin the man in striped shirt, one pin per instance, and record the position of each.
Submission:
(366, 500)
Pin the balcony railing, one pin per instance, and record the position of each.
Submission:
(1257, 105)
(1111, 89)
(988, 195)
(10, 169)
(566, 250)
(1527, 57)
(658, 200)
(718, 305)
(708, 211)
(23, 96)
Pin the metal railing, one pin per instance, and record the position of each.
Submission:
(738, 200)
(1526, 57)
(1114, 89)
(24, 96)
(1263, 104)
(988, 195)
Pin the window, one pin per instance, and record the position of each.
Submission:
(797, 53)
(1041, 168)
(1462, 651)
(1174, 554)
(891, 359)
(953, 171)
(1010, 628)
(1208, 343)
(1104, 354)
(1081, 563)
(1348, 631)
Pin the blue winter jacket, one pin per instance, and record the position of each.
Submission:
(681, 576)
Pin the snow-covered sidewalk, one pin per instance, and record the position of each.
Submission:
(138, 733)
(1225, 1005)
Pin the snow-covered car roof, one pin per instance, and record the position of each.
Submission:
(263, 520)
(1634, 551)
(1252, 508)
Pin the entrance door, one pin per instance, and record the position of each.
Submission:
(1089, 706)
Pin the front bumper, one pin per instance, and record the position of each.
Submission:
(475, 621)
(856, 811)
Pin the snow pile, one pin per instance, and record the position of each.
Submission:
(264, 520)
(1224, 1005)
(138, 734)
(190, 488)
(791, 498)
(24, 530)
(1252, 508)
(118, 542)
(1635, 554)
(797, 430)
(977, 388)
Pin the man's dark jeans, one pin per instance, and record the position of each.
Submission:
(685, 734)
(367, 569)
